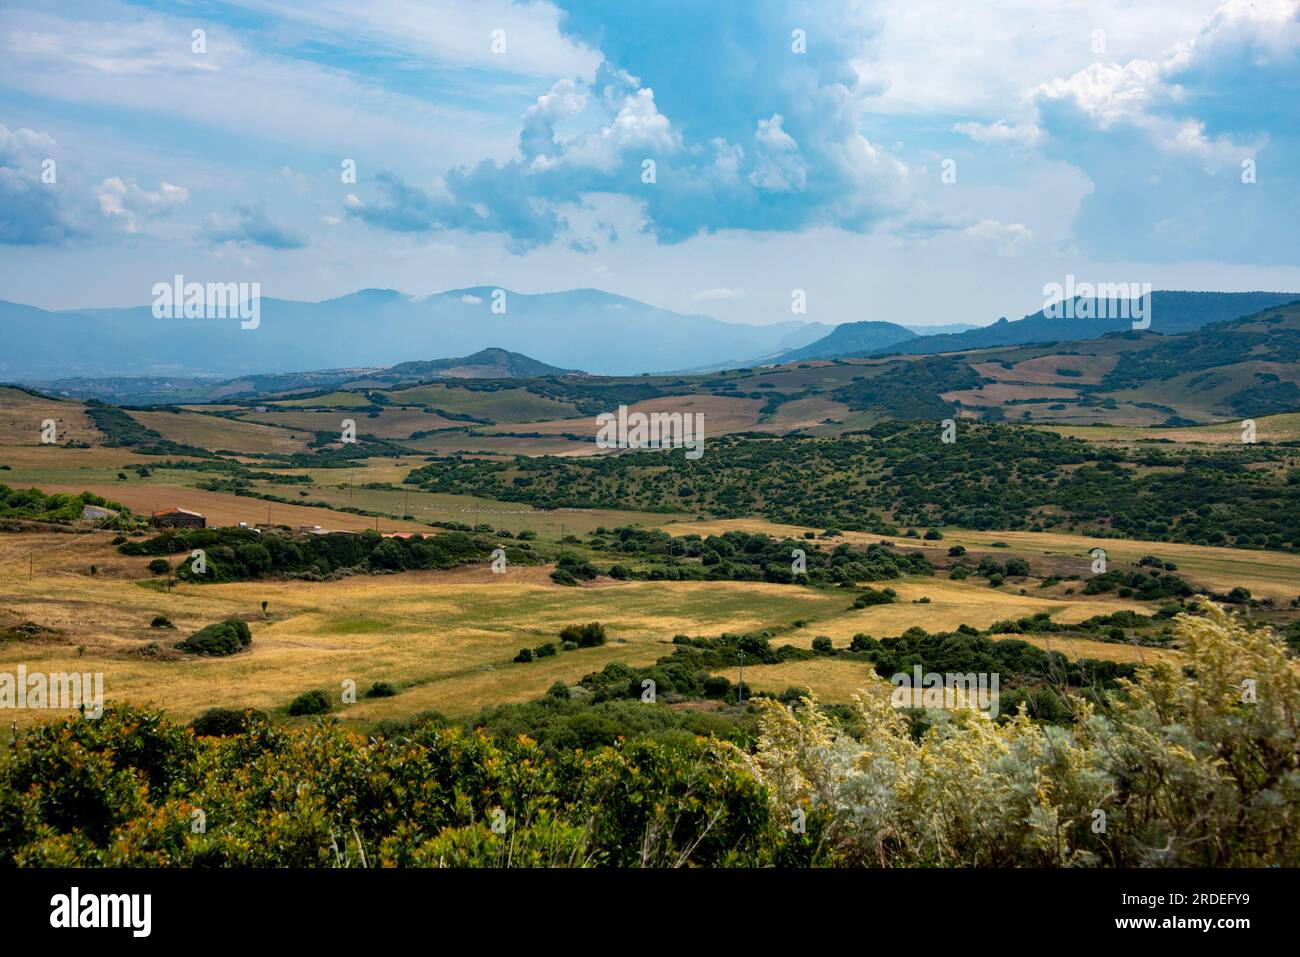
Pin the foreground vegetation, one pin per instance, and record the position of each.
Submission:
(1195, 765)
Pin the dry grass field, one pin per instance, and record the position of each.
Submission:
(445, 639)
(221, 508)
(1284, 427)
(832, 680)
(214, 433)
(22, 415)
(1042, 370)
(470, 510)
(502, 405)
(389, 424)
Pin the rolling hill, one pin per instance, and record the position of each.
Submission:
(1171, 312)
(852, 339)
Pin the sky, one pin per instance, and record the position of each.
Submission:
(915, 161)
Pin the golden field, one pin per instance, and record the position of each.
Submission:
(445, 639)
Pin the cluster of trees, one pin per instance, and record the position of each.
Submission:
(60, 508)
(237, 554)
(745, 556)
(1153, 585)
(910, 389)
(900, 474)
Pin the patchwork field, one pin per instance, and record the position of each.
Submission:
(1284, 427)
(445, 639)
(721, 415)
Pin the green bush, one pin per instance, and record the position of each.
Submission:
(215, 640)
(584, 636)
(381, 689)
(309, 702)
(225, 722)
(716, 686)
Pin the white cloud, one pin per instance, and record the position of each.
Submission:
(127, 203)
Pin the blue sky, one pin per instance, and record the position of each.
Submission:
(1105, 139)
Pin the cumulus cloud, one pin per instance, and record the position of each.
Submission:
(31, 212)
(743, 131)
(127, 203)
(1164, 140)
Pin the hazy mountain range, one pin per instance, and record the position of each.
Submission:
(581, 329)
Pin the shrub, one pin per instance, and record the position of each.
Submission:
(215, 640)
(716, 686)
(224, 722)
(560, 691)
(584, 636)
(545, 651)
(525, 655)
(309, 702)
(161, 621)
(822, 645)
(871, 596)
(381, 689)
(159, 566)
(863, 642)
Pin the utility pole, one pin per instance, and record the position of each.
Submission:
(740, 686)
(30, 558)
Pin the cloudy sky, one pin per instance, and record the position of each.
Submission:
(919, 161)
